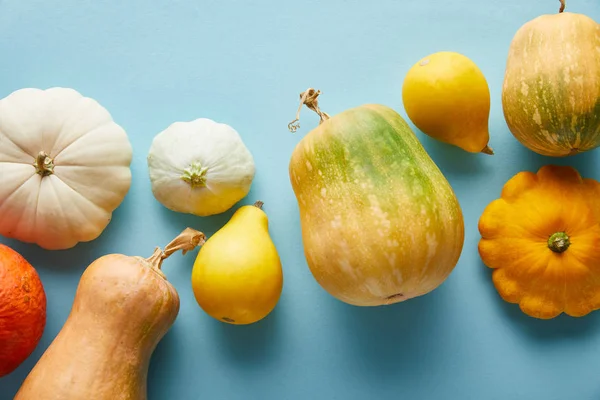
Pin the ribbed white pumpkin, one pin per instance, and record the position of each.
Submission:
(200, 167)
(64, 167)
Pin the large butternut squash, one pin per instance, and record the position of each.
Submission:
(122, 309)
(551, 92)
(380, 223)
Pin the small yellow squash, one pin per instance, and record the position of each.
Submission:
(237, 277)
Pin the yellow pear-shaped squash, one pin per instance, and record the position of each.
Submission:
(237, 277)
(447, 97)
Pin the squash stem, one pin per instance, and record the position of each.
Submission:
(259, 204)
(43, 164)
(185, 241)
(559, 242)
(562, 6)
(488, 150)
(308, 98)
(195, 175)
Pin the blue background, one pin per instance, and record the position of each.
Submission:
(151, 63)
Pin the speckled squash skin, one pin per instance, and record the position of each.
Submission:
(380, 223)
(121, 311)
(551, 92)
(22, 309)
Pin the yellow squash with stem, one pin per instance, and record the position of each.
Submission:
(447, 97)
(237, 276)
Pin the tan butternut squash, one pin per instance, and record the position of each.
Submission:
(551, 90)
(380, 222)
(122, 309)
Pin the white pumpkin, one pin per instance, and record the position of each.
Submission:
(200, 167)
(64, 167)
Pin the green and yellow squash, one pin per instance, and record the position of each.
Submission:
(551, 92)
(380, 223)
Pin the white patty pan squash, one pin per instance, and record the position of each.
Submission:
(200, 167)
(64, 167)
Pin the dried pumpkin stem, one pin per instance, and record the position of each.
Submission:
(559, 242)
(259, 204)
(308, 98)
(43, 164)
(562, 6)
(186, 241)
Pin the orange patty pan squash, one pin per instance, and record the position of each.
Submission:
(542, 238)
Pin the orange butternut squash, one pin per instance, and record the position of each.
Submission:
(542, 237)
(123, 307)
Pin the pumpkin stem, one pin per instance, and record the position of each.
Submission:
(308, 98)
(559, 242)
(259, 204)
(562, 6)
(43, 164)
(186, 241)
(487, 150)
(195, 175)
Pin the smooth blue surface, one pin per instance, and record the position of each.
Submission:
(151, 63)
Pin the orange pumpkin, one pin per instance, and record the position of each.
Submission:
(542, 238)
(22, 309)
